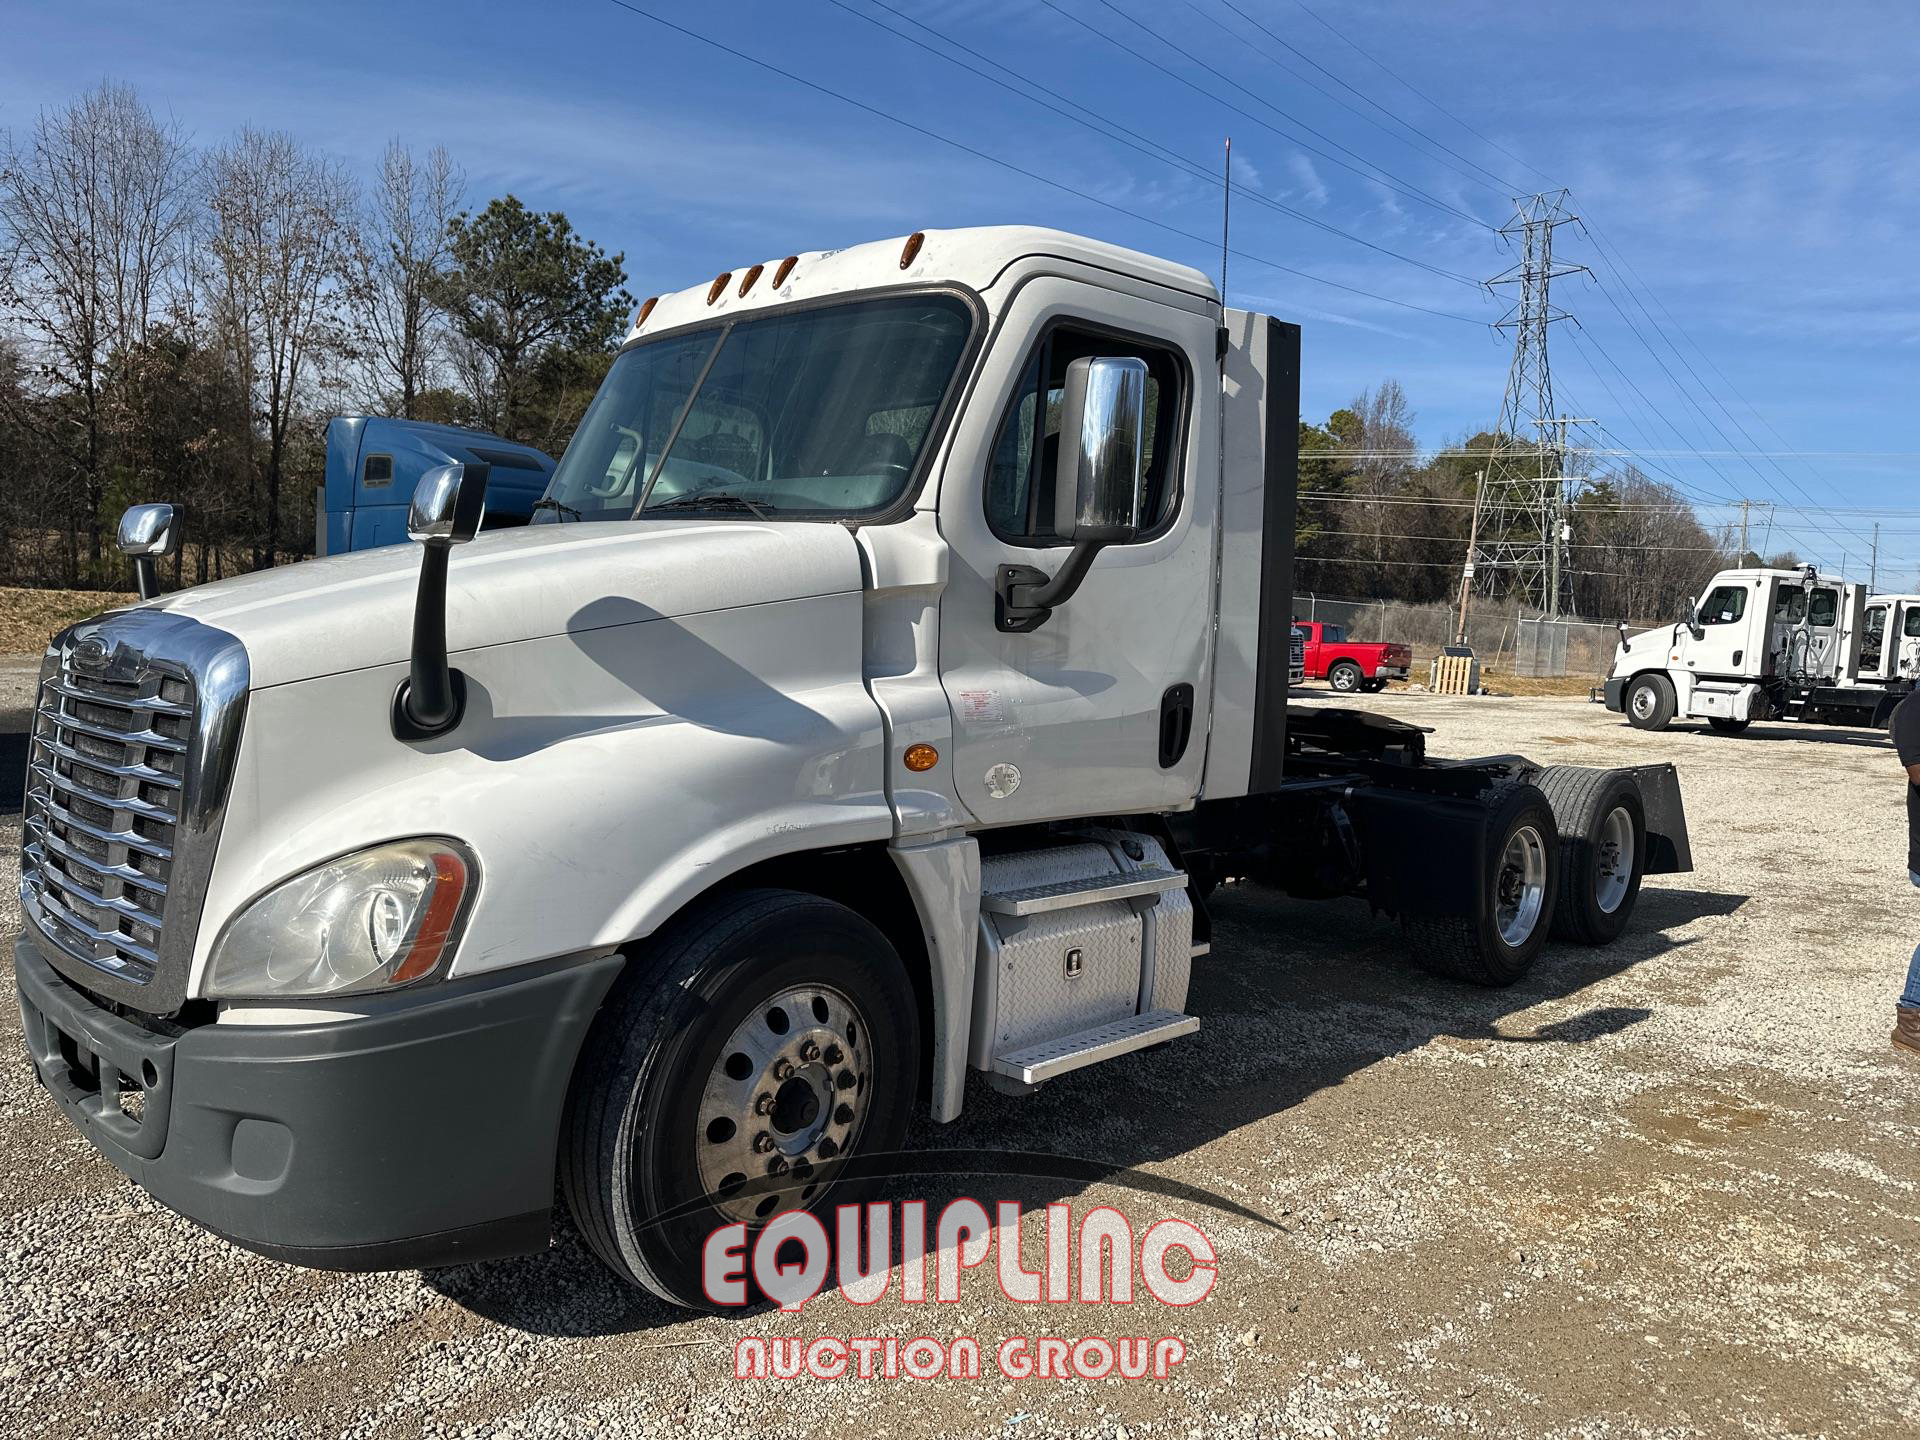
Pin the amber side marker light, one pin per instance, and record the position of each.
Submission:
(719, 285)
(911, 248)
(922, 757)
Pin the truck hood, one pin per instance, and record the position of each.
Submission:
(350, 612)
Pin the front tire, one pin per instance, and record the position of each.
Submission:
(1650, 702)
(762, 1039)
(1345, 676)
(1499, 941)
(1603, 850)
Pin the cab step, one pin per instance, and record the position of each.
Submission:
(1071, 894)
(1117, 1037)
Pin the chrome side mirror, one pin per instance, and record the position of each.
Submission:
(1625, 643)
(448, 505)
(1694, 627)
(147, 533)
(1098, 485)
(1098, 482)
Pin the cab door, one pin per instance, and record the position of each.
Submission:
(1875, 657)
(1725, 645)
(1096, 711)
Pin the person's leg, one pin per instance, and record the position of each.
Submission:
(1906, 1014)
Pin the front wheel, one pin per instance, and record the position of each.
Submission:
(1498, 941)
(1345, 676)
(754, 1047)
(1650, 702)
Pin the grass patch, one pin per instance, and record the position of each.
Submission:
(28, 618)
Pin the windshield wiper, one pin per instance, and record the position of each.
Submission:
(558, 507)
(710, 502)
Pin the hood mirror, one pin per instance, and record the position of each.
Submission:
(448, 505)
(148, 533)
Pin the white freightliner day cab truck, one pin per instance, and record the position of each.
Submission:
(900, 653)
(1771, 644)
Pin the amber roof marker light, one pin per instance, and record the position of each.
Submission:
(912, 247)
(786, 269)
(646, 309)
(719, 285)
(746, 281)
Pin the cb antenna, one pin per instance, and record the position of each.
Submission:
(1226, 215)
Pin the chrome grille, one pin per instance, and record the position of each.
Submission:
(105, 777)
(1297, 656)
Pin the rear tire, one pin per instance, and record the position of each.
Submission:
(1513, 912)
(1603, 850)
(1725, 726)
(713, 1017)
(1650, 703)
(1345, 676)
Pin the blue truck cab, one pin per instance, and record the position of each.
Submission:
(374, 463)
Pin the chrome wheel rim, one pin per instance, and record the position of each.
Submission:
(788, 1094)
(1343, 680)
(1614, 871)
(1642, 701)
(1521, 886)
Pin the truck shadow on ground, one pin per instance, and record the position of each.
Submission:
(1295, 998)
(1819, 734)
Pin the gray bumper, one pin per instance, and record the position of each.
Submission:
(423, 1135)
(1615, 694)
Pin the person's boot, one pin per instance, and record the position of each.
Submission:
(1906, 1028)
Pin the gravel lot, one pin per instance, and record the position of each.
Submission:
(1667, 1188)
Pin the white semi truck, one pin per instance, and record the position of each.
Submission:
(900, 653)
(1771, 644)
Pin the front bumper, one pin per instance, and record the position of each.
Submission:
(1614, 692)
(422, 1135)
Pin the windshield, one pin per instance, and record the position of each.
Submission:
(816, 413)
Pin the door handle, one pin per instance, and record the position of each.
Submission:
(1176, 724)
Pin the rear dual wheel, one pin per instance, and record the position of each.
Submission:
(1603, 850)
(1498, 941)
(752, 1048)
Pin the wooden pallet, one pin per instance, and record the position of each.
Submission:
(1453, 675)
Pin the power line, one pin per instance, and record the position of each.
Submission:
(1486, 177)
(1021, 170)
(1392, 182)
(1105, 127)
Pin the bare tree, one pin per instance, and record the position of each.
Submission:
(281, 240)
(1386, 459)
(404, 242)
(93, 205)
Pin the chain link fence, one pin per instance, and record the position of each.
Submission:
(1506, 638)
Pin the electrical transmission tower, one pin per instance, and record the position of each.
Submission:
(1523, 516)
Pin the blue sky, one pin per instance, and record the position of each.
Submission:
(1752, 164)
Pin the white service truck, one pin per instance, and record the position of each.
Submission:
(1771, 644)
(900, 653)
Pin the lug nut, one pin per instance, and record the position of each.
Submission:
(762, 1143)
(846, 1080)
(783, 1070)
(777, 1165)
(828, 1149)
(763, 1104)
(843, 1116)
(834, 1057)
(809, 1052)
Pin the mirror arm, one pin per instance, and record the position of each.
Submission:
(1025, 597)
(146, 577)
(434, 694)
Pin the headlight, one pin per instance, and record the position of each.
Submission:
(382, 918)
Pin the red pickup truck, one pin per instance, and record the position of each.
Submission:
(1351, 665)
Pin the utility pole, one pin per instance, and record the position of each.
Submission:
(1745, 549)
(1526, 478)
(1473, 539)
(1873, 573)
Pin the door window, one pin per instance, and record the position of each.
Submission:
(1725, 604)
(1791, 607)
(1020, 479)
(1823, 607)
(1911, 625)
(1875, 634)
